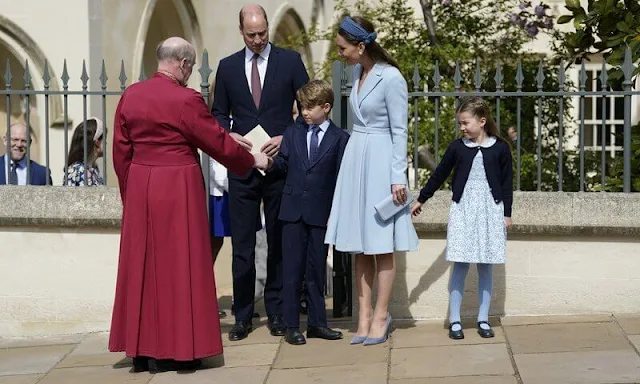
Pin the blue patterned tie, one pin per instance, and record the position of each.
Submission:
(313, 145)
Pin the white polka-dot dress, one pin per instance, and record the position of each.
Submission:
(476, 232)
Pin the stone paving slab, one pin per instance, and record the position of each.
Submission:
(94, 375)
(31, 342)
(352, 374)
(580, 367)
(325, 353)
(92, 351)
(635, 339)
(239, 375)
(250, 355)
(434, 334)
(260, 335)
(460, 380)
(532, 320)
(573, 349)
(21, 379)
(629, 323)
(567, 337)
(482, 359)
(28, 360)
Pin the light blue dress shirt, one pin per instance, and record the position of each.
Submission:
(323, 128)
(21, 170)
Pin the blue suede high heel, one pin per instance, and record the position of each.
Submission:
(385, 336)
(358, 339)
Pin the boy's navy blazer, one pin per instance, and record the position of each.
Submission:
(308, 191)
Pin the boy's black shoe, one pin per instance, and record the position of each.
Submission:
(240, 331)
(276, 326)
(323, 333)
(294, 337)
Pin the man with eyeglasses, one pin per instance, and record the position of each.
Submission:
(13, 165)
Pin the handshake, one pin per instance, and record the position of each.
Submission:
(263, 160)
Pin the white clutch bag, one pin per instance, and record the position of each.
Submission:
(386, 209)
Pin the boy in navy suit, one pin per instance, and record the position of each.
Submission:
(310, 156)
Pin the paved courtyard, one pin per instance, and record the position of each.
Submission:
(529, 350)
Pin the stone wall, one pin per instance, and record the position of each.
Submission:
(567, 253)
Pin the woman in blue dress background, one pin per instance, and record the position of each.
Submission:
(373, 167)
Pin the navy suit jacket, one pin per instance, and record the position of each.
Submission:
(38, 173)
(231, 97)
(309, 186)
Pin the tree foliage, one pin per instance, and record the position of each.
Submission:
(607, 27)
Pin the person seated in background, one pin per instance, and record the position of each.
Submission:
(76, 164)
(513, 134)
(14, 162)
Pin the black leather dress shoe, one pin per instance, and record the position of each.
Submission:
(455, 335)
(294, 337)
(140, 364)
(240, 331)
(190, 365)
(158, 365)
(485, 333)
(276, 325)
(323, 333)
(165, 365)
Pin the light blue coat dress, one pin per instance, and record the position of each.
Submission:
(374, 159)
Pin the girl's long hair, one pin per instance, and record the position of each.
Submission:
(479, 108)
(374, 49)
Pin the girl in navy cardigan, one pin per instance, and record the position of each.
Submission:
(480, 213)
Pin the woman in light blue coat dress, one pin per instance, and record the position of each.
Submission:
(373, 167)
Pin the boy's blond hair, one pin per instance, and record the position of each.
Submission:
(315, 93)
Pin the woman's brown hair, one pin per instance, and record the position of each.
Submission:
(374, 49)
(76, 151)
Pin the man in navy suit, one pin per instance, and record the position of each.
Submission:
(16, 168)
(256, 85)
(310, 157)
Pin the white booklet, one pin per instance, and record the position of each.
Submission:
(258, 137)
